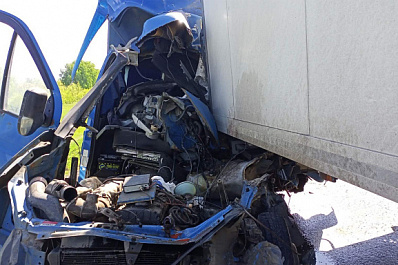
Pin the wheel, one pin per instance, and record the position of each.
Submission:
(278, 234)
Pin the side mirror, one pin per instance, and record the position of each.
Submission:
(31, 115)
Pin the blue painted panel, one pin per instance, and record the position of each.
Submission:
(10, 140)
(86, 144)
(205, 115)
(111, 9)
(150, 234)
(99, 18)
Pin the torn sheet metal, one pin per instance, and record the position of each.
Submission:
(150, 234)
(152, 26)
(111, 9)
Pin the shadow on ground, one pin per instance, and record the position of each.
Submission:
(379, 250)
(314, 226)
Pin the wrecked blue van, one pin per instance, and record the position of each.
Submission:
(156, 183)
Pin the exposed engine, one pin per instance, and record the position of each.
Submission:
(158, 159)
(158, 133)
(168, 167)
(140, 193)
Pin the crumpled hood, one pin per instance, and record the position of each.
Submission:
(114, 10)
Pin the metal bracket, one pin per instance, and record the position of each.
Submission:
(112, 216)
(223, 194)
(92, 129)
(132, 250)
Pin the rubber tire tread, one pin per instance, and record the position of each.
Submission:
(277, 224)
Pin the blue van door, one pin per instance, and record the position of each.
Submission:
(22, 67)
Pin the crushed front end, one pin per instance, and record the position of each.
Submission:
(160, 184)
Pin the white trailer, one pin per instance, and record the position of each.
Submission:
(314, 81)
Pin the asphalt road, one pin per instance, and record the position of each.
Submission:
(346, 224)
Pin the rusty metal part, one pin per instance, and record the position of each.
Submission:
(91, 183)
(232, 177)
(86, 209)
(102, 197)
(112, 216)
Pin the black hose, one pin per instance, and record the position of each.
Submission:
(183, 216)
(61, 189)
(47, 203)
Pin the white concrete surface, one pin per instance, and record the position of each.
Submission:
(346, 224)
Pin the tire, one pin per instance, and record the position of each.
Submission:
(279, 236)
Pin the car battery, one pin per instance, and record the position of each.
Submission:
(109, 165)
